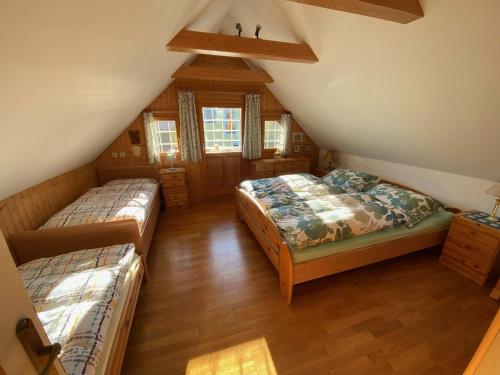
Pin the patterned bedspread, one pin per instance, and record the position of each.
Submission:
(111, 202)
(333, 218)
(74, 296)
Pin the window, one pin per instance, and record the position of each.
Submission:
(222, 128)
(273, 135)
(167, 135)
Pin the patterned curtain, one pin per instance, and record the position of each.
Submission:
(286, 122)
(152, 141)
(190, 140)
(252, 139)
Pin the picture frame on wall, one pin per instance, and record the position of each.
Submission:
(297, 137)
(307, 148)
(296, 148)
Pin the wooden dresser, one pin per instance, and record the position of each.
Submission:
(174, 185)
(262, 168)
(471, 249)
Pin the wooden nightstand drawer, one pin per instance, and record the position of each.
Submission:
(172, 176)
(457, 264)
(176, 196)
(473, 248)
(177, 204)
(464, 257)
(264, 167)
(174, 183)
(464, 230)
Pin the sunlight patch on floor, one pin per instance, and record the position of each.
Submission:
(249, 358)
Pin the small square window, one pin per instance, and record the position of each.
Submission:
(167, 136)
(274, 135)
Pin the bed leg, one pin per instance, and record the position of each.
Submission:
(286, 273)
(239, 216)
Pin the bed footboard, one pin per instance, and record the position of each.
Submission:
(36, 244)
(269, 238)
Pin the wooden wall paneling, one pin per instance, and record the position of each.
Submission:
(207, 93)
(30, 208)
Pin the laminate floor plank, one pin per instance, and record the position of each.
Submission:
(211, 287)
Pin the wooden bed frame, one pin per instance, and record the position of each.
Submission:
(86, 232)
(280, 255)
(48, 243)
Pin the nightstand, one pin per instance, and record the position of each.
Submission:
(472, 248)
(174, 185)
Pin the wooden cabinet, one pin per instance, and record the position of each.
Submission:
(174, 185)
(471, 249)
(262, 168)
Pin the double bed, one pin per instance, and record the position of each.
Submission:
(311, 228)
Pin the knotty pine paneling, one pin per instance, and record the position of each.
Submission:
(30, 208)
(207, 93)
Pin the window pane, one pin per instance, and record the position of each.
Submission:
(222, 129)
(167, 136)
(273, 135)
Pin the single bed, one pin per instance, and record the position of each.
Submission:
(134, 202)
(64, 278)
(308, 262)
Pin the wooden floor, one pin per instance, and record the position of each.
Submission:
(212, 287)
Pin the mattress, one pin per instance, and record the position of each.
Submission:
(121, 200)
(117, 314)
(438, 220)
(75, 296)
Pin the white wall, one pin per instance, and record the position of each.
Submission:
(453, 190)
(16, 305)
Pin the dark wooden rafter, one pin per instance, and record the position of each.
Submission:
(402, 11)
(235, 46)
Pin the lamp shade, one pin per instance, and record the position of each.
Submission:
(329, 156)
(494, 190)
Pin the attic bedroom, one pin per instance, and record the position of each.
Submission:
(231, 187)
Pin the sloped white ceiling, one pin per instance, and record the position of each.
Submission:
(74, 74)
(425, 94)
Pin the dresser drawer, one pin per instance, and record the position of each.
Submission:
(284, 168)
(167, 184)
(176, 196)
(301, 166)
(264, 167)
(474, 232)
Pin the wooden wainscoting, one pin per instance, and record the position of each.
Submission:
(30, 208)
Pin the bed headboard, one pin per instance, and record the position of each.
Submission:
(106, 174)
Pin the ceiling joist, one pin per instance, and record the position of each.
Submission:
(222, 74)
(402, 11)
(235, 46)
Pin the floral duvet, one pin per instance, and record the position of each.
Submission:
(333, 218)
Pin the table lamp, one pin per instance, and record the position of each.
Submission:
(495, 191)
(329, 157)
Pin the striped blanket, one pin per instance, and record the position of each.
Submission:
(74, 296)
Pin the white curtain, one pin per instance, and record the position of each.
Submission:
(252, 139)
(152, 141)
(286, 122)
(190, 139)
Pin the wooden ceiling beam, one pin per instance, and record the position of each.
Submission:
(222, 74)
(235, 46)
(402, 11)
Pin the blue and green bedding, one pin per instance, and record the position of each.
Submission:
(337, 208)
